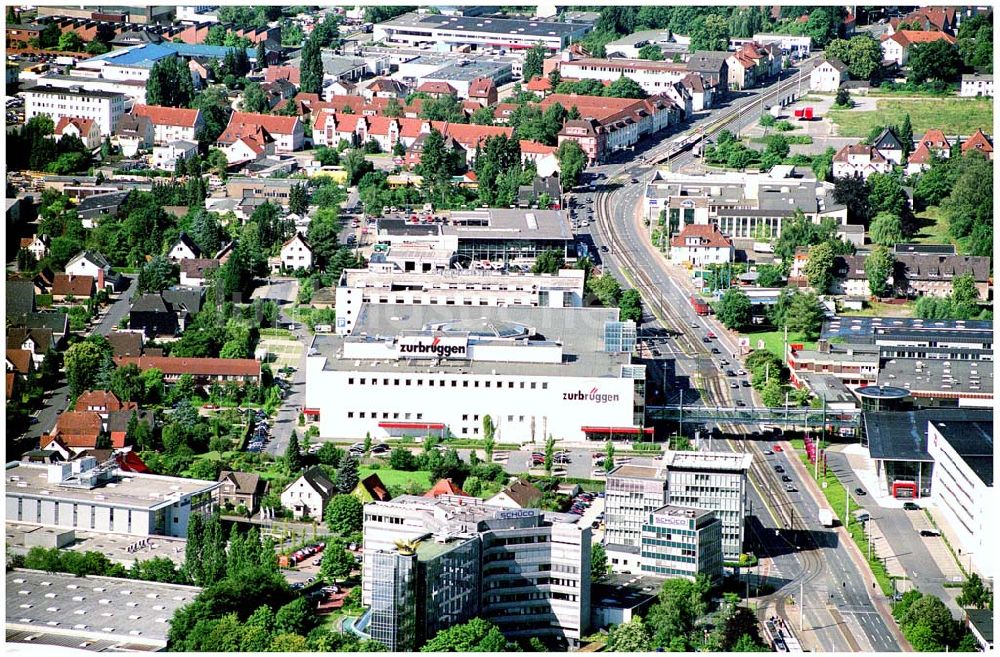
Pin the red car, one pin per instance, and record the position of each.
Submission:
(776, 448)
(710, 335)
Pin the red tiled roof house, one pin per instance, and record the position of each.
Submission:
(171, 123)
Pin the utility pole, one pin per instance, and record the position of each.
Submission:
(847, 508)
(802, 604)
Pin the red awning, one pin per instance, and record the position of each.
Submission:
(310, 411)
(630, 430)
(410, 425)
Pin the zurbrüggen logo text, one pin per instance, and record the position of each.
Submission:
(592, 396)
(434, 347)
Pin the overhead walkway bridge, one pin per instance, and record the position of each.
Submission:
(790, 418)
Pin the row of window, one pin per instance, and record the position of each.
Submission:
(442, 383)
(362, 415)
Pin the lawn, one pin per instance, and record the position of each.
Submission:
(952, 115)
(391, 477)
(934, 230)
(774, 341)
(877, 309)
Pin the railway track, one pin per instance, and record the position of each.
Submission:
(780, 507)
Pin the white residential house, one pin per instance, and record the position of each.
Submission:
(102, 107)
(165, 157)
(296, 253)
(896, 48)
(171, 123)
(699, 245)
(86, 130)
(89, 263)
(309, 494)
(828, 76)
(859, 161)
(976, 84)
(184, 249)
(37, 245)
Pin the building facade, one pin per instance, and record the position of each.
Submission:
(89, 496)
(716, 481)
(103, 107)
(565, 372)
(433, 563)
(681, 542)
(386, 284)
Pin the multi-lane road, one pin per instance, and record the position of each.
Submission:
(799, 553)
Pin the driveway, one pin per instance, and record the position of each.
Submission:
(288, 413)
(118, 310)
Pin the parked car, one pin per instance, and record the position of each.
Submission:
(740, 403)
(786, 479)
(791, 489)
(929, 532)
(768, 452)
(910, 506)
(860, 491)
(779, 468)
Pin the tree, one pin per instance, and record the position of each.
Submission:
(293, 454)
(631, 306)
(819, 267)
(652, 52)
(609, 456)
(878, 269)
(337, 562)
(86, 362)
(885, 194)
(906, 135)
(401, 458)
(971, 201)
(489, 431)
(193, 557)
(625, 87)
(170, 83)
(598, 561)
(805, 315)
(935, 60)
(294, 617)
(632, 636)
(975, 593)
(572, 162)
(298, 199)
(476, 635)
(548, 262)
(778, 146)
(733, 309)
(356, 165)
(311, 67)
(606, 288)
(254, 98)
(550, 448)
(853, 193)
(70, 42)
(534, 61)
(344, 514)
(886, 229)
(482, 116)
(769, 276)
(709, 32)
(437, 166)
(126, 383)
(347, 475)
(157, 275)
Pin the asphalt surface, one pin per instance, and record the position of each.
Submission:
(837, 606)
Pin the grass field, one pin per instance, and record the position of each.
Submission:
(876, 309)
(774, 341)
(952, 115)
(398, 477)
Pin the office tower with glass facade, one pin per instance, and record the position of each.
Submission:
(678, 541)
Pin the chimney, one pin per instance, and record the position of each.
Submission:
(100, 278)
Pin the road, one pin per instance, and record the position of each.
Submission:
(836, 605)
(56, 399)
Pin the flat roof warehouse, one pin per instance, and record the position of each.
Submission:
(499, 26)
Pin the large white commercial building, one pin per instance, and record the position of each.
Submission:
(100, 498)
(747, 207)
(962, 486)
(384, 283)
(654, 77)
(431, 563)
(564, 372)
(134, 90)
(103, 107)
(715, 481)
(448, 32)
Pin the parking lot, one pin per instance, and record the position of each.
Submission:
(282, 352)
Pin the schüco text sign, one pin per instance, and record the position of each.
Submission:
(670, 521)
(437, 347)
(515, 513)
